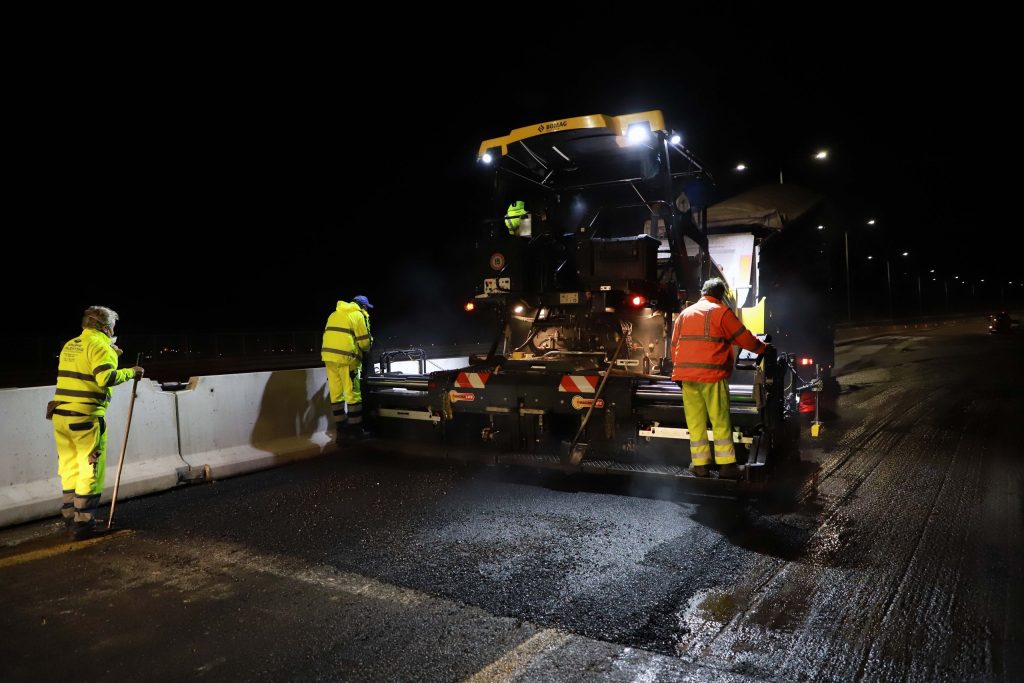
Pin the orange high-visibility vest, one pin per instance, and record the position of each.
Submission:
(702, 341)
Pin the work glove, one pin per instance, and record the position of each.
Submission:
(139, 372)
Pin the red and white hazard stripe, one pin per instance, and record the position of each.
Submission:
(472, 380)
(579, 384)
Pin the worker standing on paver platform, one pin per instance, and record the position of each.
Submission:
(702, 361)
(346, 343)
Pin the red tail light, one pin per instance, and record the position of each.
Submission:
(470, 307)
(804, 360)
(638, 301)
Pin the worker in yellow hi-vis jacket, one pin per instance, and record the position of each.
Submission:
(85, 376)
(346, 344)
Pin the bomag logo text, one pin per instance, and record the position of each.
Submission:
(548, 127)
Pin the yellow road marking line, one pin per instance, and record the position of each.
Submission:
(61, 549)
(508, 666)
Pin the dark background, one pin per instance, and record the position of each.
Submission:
(203, 174)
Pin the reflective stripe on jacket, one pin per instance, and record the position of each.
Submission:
(702, 341)
(347, 335)
(87, 372)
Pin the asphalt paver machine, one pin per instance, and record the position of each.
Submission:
(592, 249)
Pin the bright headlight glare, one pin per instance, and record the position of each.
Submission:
(638, 132)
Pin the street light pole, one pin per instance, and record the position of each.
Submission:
(888, 282)
(849, 295)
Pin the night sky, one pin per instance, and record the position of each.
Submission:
(241, 177)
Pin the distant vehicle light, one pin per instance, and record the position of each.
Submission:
(470, 306)
(804, 360)
(638, 301)
(519, 309)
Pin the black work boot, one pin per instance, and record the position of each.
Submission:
(730, 471)
(698, 470)
(81, 531)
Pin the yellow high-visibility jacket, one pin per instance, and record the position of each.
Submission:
(87, 372)
(347, 335)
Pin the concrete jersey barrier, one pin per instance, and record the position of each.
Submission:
(246, 422)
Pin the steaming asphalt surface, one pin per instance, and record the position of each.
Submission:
(901, 560)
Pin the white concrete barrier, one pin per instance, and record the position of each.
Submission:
(231, 423)
(246, 422)
(29, 485)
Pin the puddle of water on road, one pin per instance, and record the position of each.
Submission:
(705, 614)
(720, 607)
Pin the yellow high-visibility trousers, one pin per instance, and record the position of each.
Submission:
(81, 439)
(343, 383)
(703, 401)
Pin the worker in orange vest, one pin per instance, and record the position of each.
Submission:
(702, 361)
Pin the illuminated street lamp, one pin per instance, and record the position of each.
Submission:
(917, 274)
(821, 155)
(888, 279)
